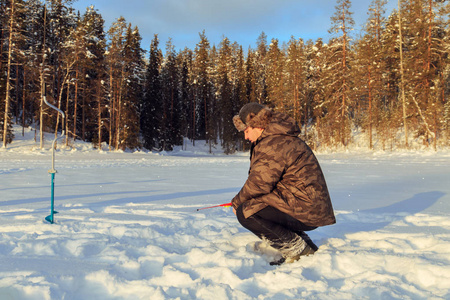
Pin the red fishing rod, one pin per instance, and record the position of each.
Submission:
(220, 205)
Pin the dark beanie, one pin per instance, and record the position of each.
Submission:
(254, 115)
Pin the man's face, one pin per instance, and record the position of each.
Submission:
(252, 134)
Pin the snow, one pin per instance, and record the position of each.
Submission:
(128, 227)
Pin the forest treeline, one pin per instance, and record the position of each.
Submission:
(390, 83)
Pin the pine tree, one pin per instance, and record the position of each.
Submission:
(20, 57)
(369, 70)
(434, 70)
(225, 94)
(250, 78)
(171, 126)
(295, 81)
(444, 77)
(4, 21)
(275, 77)
(92, 25)
(239, 95)
(202, 86)
(152, 104)
(315, 66)
(34, 31)
(260, 68)
(116, 74)
(342, 25)
(72, 60)
(42, 67)
(326, 102)
(186, 94)
(417, 59)
(215, 122)
(133, 78)
(391, 110)
(61, 24)
(13, 26)
(421, 37)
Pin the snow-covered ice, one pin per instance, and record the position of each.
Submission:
(128, 228)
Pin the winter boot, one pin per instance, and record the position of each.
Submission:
(306, 252)
(293, 250)
(308, 240)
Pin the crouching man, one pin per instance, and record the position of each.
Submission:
(285, 193)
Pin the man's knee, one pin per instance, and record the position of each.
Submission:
(240, 213)
(245, 222)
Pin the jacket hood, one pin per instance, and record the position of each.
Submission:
(281, 124)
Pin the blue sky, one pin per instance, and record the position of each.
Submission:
(241, 21)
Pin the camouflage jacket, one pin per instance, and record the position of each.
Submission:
(284, 173)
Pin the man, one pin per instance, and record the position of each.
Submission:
(285, 193)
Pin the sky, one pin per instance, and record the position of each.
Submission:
(241, 21)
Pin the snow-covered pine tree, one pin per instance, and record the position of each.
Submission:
(422, 65)
(315, 67)
(61, 23)
(95, 107)
(14, 38)
(368, 72)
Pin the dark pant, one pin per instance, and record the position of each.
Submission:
(277, 227)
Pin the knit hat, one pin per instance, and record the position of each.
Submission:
(252, 115)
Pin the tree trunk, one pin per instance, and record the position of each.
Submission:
(67, 114)
(402, 73)
(23, 100)
(344, 83)
(111, 109)
(75, 104)
(41, 113)
(99, 114)
(8, 75)
(119, 109)
(60, 93)
(370, 109)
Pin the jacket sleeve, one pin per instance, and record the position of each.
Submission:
(265, 172)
